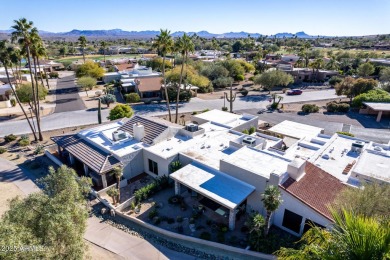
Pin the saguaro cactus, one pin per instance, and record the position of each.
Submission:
(231, 98)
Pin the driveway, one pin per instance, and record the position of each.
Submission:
(67, 96)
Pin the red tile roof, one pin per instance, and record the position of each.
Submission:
(316, 188)
(125, 66)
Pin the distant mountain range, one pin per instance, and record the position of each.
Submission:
(150, 34)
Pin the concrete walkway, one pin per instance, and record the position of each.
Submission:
(126, 245)
(9, 172)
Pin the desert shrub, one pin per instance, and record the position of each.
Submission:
(153, 213)
(24, 137)
(220, 237)
(224, 109)
(53, 75)
(13, 102)
(10, 138)
(179, 219)
(244, 92)
(24, 142)
(205, 236)
(132, 98)
(205, 110)
(251, 130)
(239, 77)
(245, 132)
(337, 107)
(310, 108)
(376, 95)
(346, 133)
(38, 150)
(2, 150)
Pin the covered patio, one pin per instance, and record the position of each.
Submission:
(216, 188)
(96, 163)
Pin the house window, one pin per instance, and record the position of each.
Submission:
(292, 221)
(309, 224)
(153, 167)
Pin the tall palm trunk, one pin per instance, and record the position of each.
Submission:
(267, 223)
(83, 55)
(20, 104)
(44, 71)
(178, 90)
(36, 95)
(166, 90)
(34, 107)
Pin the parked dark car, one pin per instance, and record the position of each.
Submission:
(294, 92)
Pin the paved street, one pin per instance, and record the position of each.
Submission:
(249, 104)
(67, 97)
(362, 126)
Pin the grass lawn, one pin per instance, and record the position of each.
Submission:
(98, 57)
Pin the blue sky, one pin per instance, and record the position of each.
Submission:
(315, 17)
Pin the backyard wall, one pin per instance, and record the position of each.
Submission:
(293, 204)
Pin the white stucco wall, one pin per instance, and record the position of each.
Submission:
(133, 164)
(254, 200)
(163, 163)
(292, 204)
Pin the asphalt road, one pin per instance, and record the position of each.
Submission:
(67, 97)
(362, 126)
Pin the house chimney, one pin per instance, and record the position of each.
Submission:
(138, 131)
(296, 168)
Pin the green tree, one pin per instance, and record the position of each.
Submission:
(372, 201)
(256, 224)
(352, 87)
(83, 43)
(385, 79)
(271, 79)
(103, 45)
(376, 95)
(117, 172)
(120, 111)
(86, 83)
(132, 98)
(54, 219)
(63, 51)
(108, 99)
(334, 80)
(157, 64)
(24, 33)
(6, 59)
(237, 46)
(271, 199)
(114, 194)
(184, 45)
(90, 68)
(164, 44)
(25, 93)
(353, 237)
(366, 69)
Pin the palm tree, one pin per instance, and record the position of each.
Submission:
(353, 237)
(104, 45)
(256, 225)
(316, 65)
(117, 172)
(5, 59)
(271, 199)
(184, 45)
(23, 34)
(83, 43)
(164, 44)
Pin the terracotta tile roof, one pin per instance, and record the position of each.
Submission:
(316, 188)
(150, 84)
(152, 129)
(125, 66)
(97, 160)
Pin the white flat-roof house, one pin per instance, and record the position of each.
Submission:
(230, 168)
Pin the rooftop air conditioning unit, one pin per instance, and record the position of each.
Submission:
(357, 146)
(192, 127)
(118, 135)
(249, 141)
